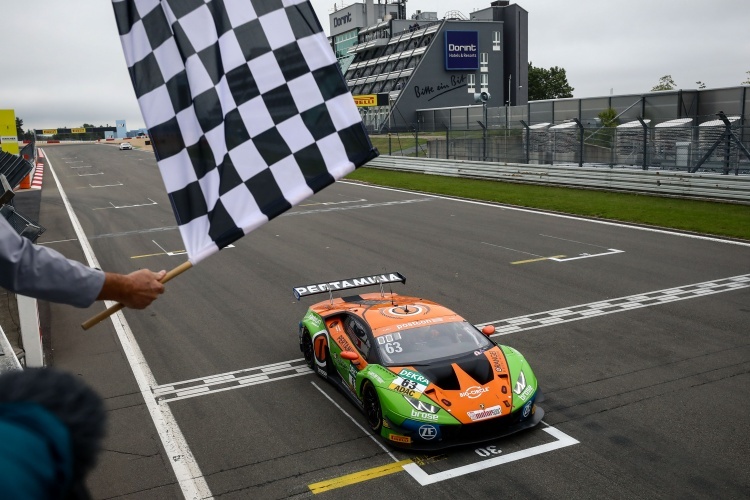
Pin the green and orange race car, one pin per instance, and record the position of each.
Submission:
(424, 377)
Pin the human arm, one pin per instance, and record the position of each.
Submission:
(135, 290)
(46, 274)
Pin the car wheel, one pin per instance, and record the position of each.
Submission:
(373, 410)
(307, 349)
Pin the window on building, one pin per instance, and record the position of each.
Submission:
(484, 62)
(484, 81)
(471, 80)
(496, 40)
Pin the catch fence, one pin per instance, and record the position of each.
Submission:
(707, 144)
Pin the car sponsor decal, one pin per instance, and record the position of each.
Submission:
(427, 432)
(495, 361)
(314, 319)
(344, 343)
(474, 392)
(352, 375)
(526, 393)
(408, 387)
(415, 376)
(302, 291)
(527, 409)
(421, 322)
(405, 310)
(400, 439)
(422, 406)
(423, 416)
(491, 412)
(520, 384)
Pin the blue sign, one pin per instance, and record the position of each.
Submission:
(461, 50)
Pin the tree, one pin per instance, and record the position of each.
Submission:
(608, 117)
(747, 82)
(19, 128)
(548, 83)
(700, 84)
(665, 83)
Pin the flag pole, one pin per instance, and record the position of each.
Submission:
(111, 310)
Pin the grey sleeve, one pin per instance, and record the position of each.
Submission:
(43, 273)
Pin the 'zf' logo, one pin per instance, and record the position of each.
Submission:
(427, 432)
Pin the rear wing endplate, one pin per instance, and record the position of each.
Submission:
(349, 283)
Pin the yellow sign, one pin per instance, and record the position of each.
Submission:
(366, 101)
(49, 131)
(8, 132)
(78, 131)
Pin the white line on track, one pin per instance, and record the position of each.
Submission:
(562, 216)
(562, 440)
(189, 476)
(415, 471)
(382, 446)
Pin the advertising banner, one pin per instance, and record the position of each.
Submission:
(461, 50)
(8, 133)
(78, 131)
(370, 100)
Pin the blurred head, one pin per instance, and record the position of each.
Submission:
(69, 400)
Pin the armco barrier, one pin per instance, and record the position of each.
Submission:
(658, 182)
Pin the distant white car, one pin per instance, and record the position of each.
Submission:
(125, 145)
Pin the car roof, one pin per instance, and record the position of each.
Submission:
(388, 312)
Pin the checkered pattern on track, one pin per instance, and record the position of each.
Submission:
(621, 304)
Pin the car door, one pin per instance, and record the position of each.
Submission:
(358, 335)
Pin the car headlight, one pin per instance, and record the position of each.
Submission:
(520, 383)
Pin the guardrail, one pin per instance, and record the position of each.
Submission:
(658, 182)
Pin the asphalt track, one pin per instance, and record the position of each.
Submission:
(639, 339)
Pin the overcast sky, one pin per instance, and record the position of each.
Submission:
(63, 64)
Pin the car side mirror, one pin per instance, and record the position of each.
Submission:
(488, 330)
(351, 356)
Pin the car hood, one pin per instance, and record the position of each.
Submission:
(474, 387)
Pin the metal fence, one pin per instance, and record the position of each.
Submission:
(716, 144)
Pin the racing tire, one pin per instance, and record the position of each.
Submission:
(373, 410)
(307, 350)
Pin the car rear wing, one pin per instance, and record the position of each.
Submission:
(348, 283)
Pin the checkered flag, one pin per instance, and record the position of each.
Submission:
(246, 107)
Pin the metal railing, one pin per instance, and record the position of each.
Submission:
(664, 183)
(718, 145)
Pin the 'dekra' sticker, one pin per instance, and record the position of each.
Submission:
(408, 387)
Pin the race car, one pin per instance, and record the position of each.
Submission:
(424, 377)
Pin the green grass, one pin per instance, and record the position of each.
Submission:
(721, 219)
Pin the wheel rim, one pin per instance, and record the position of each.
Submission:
(372, 408)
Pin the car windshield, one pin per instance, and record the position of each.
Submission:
(426, 343)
